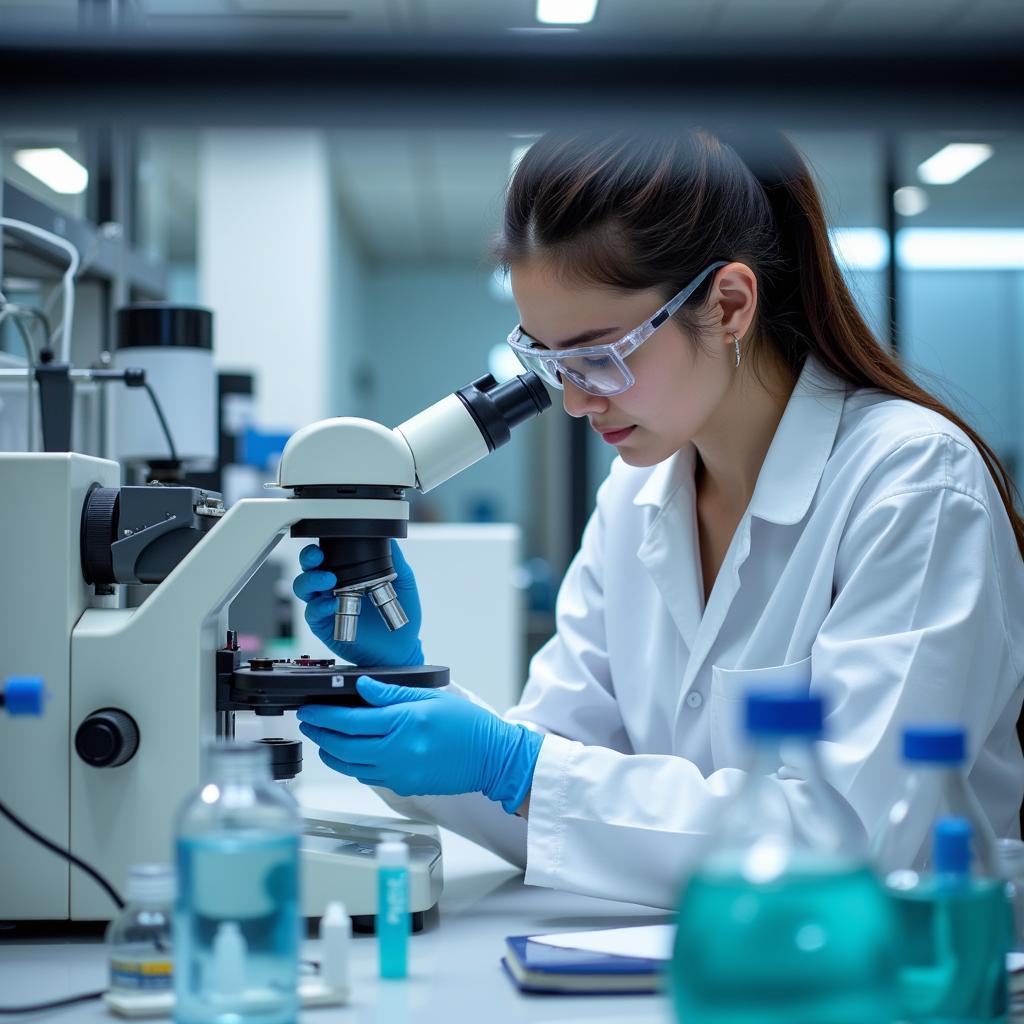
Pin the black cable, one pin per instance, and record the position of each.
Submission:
(163, 422)
(84, 997)
(66, 854)
(54, 1005)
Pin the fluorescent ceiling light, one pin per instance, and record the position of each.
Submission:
(909, 201)
(54, 168)
(566, 12)
(961, 248)
(931, 248)
(952, 162)
(860, 248)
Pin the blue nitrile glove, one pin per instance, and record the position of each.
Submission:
(375, 644)
(423, 742)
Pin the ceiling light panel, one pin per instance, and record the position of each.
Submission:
(952, 162)
(566, 12)
(55, 168)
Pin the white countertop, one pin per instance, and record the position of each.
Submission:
(455, 971)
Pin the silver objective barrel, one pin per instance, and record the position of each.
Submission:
(350, 603)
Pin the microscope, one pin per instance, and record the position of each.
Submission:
(135, 693)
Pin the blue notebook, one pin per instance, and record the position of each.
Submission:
(536, 967)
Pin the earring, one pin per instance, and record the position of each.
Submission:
(736, 342)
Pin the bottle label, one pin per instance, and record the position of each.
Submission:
(142, 975)
(396, 897)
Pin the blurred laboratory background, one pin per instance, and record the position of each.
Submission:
(348, 268)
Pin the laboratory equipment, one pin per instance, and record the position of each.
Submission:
(935, 786)
(23, 695)
(139, 942)
(779, 926)
(236, 917)
(140, 689)
(954, 933)
(173, 345)
(393, 902)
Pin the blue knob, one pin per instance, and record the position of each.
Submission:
(24, 695)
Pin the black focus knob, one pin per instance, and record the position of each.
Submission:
(107, 738)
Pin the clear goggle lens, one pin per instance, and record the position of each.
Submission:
(595, 374)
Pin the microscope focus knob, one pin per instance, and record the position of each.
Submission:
(107, 738)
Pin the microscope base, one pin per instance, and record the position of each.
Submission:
(339, 862)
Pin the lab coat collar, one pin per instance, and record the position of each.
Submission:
(667, 477)
(795, 461)
(803, 442)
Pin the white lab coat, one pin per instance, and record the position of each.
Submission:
(875, 565)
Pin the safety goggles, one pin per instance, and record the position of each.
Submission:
(597, 369)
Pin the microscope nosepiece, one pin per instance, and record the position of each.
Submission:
(386, 600)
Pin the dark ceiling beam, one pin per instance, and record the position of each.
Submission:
(497, 82)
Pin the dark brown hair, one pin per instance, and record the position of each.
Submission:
(634, 211)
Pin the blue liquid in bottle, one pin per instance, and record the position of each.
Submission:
(236, 923)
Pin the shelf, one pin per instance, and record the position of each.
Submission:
(101, 253)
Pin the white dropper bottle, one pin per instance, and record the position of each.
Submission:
(335, 939)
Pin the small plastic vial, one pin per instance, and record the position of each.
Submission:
(393, 906)
(139, 938)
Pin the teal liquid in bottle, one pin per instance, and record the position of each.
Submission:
(808, 948)
(956, 930)
(778, 926)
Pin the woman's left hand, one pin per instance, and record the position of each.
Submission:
(423, 742)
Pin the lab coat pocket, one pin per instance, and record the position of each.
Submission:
(729, 686)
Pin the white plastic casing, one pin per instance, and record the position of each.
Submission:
(444, 440)
(185, 382)
(346, 450)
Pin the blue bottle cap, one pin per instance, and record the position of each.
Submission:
(939, 744)
(774, 713)
(953, 846)
(23, 695)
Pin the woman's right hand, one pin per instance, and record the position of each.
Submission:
(375, 644)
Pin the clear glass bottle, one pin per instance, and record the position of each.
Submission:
(1011, 865)
(934, 787)
(782, 924)
(956, 932)
(237, 916)
(139, 938)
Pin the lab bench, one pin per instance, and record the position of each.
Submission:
(455, 963)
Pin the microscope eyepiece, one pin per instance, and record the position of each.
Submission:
(521, 398)
(497, 408)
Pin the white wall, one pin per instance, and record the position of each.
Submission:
(277, 270)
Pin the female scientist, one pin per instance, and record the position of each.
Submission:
(788, 509)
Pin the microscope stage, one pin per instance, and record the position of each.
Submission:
(270, 687)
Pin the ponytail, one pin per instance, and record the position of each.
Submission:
(635, 211)
(829, 323)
